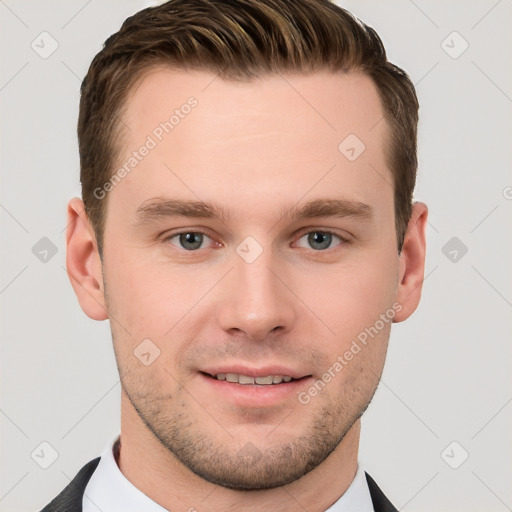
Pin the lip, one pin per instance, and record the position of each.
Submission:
(252, 395)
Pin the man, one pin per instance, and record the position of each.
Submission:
(247, 227)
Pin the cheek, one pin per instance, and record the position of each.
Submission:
(352, 296)
(147, 296)
(155, 302)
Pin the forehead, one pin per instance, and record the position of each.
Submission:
(272, 137)
(323, 101)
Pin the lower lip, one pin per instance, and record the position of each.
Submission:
(256, 395)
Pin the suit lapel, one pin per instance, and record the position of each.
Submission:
(380, 502)
(70, 499)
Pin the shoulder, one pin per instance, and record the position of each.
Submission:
(70, 499)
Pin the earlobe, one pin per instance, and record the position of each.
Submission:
(83, 263)
(412, 263)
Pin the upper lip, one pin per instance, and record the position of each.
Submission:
(263, 371)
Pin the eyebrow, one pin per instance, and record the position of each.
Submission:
(159, 207)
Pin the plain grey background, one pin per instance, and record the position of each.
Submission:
(446, 391)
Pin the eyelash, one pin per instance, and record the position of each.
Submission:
(340, 238)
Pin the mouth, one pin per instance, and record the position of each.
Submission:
(257, 388)
(262, 380)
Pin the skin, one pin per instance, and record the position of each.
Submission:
(255, 148)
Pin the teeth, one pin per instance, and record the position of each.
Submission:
(264, 380)
(245, 379)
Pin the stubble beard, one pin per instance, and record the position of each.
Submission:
(242, 464)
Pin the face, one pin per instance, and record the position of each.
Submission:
(293, 259)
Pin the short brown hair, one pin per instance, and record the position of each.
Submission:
(239, 40)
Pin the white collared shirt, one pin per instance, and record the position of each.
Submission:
(109, 490)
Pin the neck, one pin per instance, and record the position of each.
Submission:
(174, 487)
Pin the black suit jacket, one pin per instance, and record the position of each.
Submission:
(70, 499)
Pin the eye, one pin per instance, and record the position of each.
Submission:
(321, 240)
(188, 240)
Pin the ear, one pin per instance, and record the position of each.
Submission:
(83, 262)
(412, 263)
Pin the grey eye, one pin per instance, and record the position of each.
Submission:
(189, 241)
(320, 240)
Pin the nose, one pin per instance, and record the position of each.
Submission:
(256, 300)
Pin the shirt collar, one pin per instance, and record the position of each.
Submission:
(110, 491)
(356, 498)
